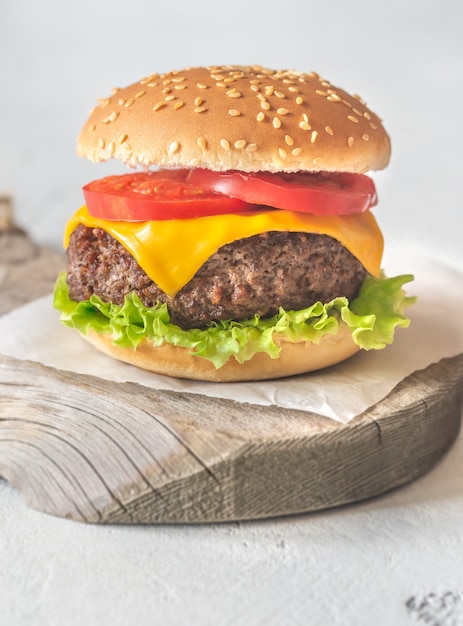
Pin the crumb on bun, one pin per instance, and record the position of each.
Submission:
(233, 117)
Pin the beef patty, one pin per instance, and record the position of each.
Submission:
(253, 275)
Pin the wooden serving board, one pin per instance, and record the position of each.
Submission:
(95, 451)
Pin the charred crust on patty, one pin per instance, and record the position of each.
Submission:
(255, 275)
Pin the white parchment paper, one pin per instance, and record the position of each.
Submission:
(33, 332)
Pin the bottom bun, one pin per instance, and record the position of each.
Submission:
(294, 358)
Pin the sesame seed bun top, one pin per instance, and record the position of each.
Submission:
(234, 117)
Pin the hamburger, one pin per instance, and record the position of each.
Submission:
(241, 245)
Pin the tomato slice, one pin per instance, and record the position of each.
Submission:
(183, 193)
(324, 193)
(160, 195)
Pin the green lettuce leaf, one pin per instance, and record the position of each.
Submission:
(372, 318)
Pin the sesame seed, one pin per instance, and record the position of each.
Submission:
(178, 79)
(234, 112)
(357, 112)
(254, 88)
(202, 143)
(373, 126)
(365, 137)
(129, 103)
(180, 86)
(251, 148)
(111, 148)
(279, 94)
(347, 103)
(319, 92)
(299, 100)
(296, 151)
(289, 140)
(269, 90)
(122, 138)
(305, 118)
(366, 115)
(305, 126)
(92, 128)
(235, 94)
(174, 146)
(350, 142)
(178, 105)
(126, 146)
(260, 116)
(276, 122)
(150, 84)
(199, 109)
(159, 105)
(139, 94)
(254, 81)
(329, 130)
(317, 160)
(169, 98)
(202, 86)
(313, 136)
(166, 90)
(101, 143)
(293, 89)
(265, 105)
(121, 101)
(111, 118)
(166, 82)
(333, 97)
(229, 79)
(262, 97)
(241, 143)
(198, 101)
(225, 144)
(282, 111)
(352, 118)
(148, 79)
(282, 152)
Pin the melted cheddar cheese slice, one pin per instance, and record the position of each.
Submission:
(172, 251)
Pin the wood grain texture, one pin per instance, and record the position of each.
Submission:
(95, 451)
(27, 270)
(88, 449)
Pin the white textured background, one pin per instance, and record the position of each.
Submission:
(356, 566)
